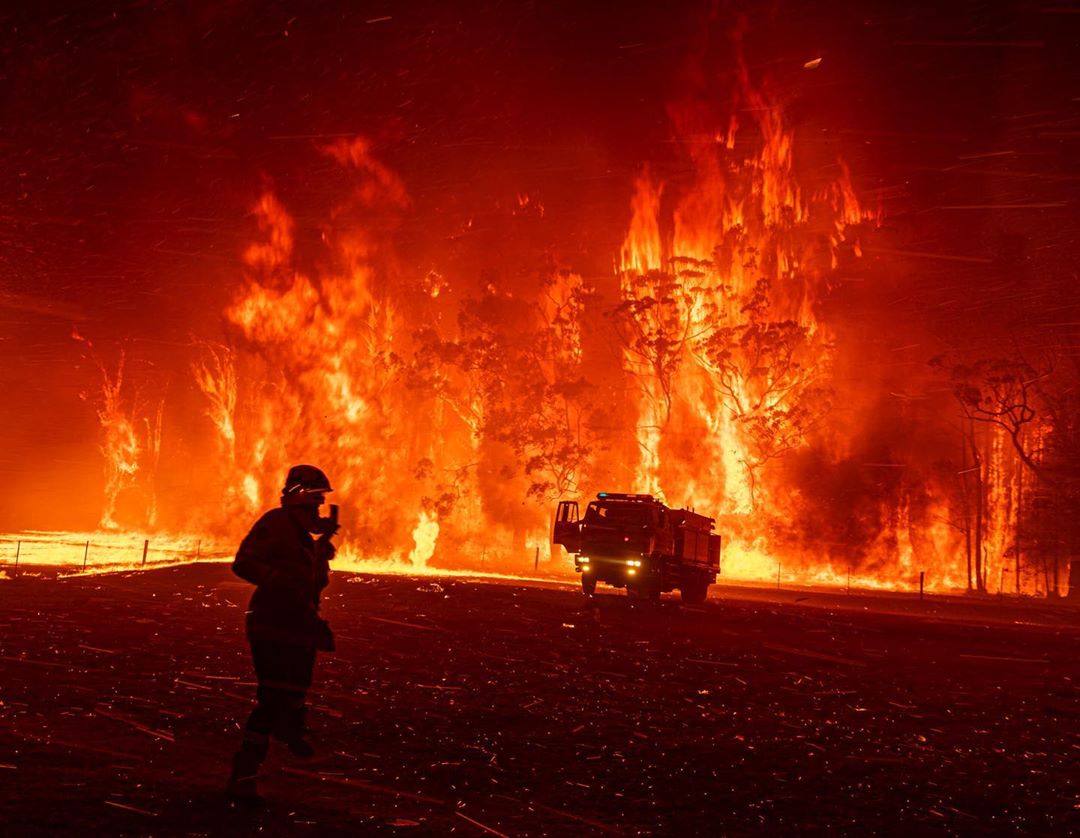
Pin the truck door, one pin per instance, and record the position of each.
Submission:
(567, 530)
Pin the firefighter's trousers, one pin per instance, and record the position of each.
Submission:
(284, 675)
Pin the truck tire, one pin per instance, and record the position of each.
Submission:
(694, 592)
(588, 584)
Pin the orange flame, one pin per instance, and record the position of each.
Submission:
(731, 296)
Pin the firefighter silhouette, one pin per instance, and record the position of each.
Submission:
(289, 568)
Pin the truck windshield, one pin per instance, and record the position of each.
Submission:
(618, 514)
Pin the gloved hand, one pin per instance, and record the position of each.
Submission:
(324, 548)
(328, 527)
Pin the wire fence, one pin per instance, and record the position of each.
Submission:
(95, 551)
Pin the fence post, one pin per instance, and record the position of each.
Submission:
(145, 547)
(18, 549)
(922, 579)
(86, 553)
(536, 561)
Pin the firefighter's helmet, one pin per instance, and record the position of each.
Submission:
(303, 481)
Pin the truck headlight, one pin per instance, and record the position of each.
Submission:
(584, 559)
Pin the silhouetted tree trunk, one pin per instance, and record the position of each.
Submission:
(1074, 579)
(980, 504)
(1019, 517)
(1055, 575)
(1046, 574)
(966, 496)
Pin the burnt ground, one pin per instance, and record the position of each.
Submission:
(479, 708)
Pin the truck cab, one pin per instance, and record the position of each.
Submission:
(634, 541)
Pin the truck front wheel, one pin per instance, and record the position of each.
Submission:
(588, 584)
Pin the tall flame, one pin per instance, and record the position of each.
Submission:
(726, 346)
(325, 350)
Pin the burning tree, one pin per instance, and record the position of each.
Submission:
(127, 452)
(1032, 405)
(655, 323)
(657, 320)
(769, 374)
(513, 375)
(215, 374)
(722, 276)
(728, 338)
(120, 444)
(766, 371)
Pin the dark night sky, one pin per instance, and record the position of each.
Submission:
(136, 137)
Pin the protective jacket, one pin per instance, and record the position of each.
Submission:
(289, 569)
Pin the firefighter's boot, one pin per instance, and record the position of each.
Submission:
(296, 733)
(243, 786)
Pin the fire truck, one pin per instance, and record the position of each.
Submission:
(638, 543)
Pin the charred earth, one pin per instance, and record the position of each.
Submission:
(496, 708)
